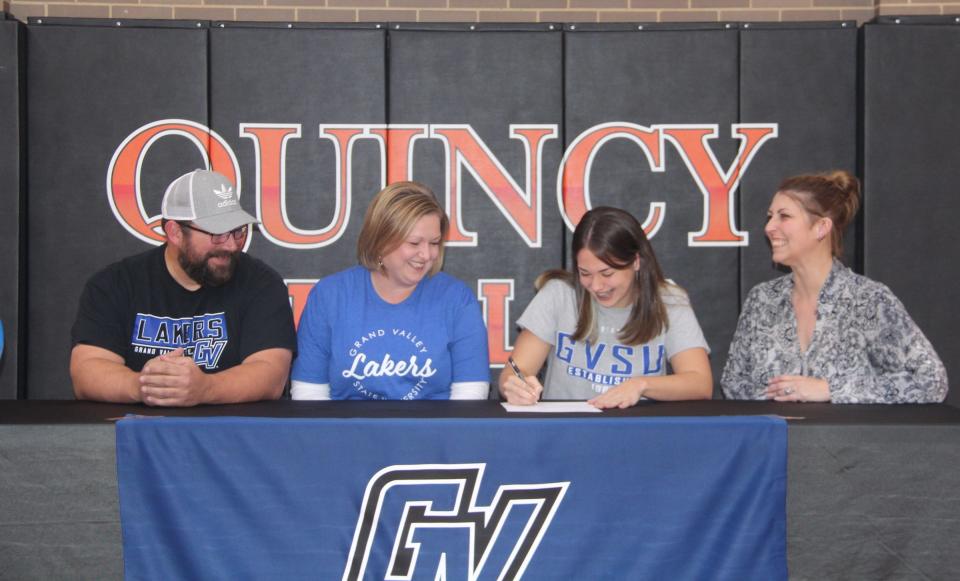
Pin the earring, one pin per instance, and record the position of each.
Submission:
(379, 262)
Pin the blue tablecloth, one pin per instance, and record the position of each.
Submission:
(552, 498)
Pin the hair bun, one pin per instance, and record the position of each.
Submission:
(848, 192)
(844, 181)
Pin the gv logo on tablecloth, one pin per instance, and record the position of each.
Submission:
(429, 514)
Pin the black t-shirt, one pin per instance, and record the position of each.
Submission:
(137, 310)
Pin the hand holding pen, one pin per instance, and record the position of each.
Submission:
(519, 389)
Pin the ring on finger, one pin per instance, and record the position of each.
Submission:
(788, 391)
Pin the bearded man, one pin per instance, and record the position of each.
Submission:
(194, 321)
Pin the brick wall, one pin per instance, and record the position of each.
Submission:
(482, 10)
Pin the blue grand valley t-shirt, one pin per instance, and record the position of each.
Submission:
(367, 348)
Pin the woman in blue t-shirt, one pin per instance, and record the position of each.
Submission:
(394, 327)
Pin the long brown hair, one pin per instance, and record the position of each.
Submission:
(616, 238)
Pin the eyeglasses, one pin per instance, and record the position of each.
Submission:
(238, 233)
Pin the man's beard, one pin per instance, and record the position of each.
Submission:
(203, 273)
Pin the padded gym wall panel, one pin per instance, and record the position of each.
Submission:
(474, 88)
(804, 78)
(266, 80)
(91, 85)
(11, 205)
(662, 76)
(911, 170)
(458, 94)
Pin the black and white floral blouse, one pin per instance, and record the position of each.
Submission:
(864, 344)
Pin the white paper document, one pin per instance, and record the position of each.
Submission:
(552, 407)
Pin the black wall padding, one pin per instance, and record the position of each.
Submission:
(301, 78)
(459, 92)
(911, 156)
(662, 77)
(89, 87)
(804, 78)
(11, 205)
(488, 80)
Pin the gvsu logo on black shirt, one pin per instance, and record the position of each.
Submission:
(426, 518)
(203, 337)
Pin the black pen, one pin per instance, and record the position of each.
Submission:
(513, 365)
(516, 369)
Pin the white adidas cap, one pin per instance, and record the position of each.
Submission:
(207, 199)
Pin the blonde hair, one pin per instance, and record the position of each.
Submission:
(834, 195)
(390, 218)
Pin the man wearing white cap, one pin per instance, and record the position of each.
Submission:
(194, 321)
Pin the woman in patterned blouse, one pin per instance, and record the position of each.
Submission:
(823, 333)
